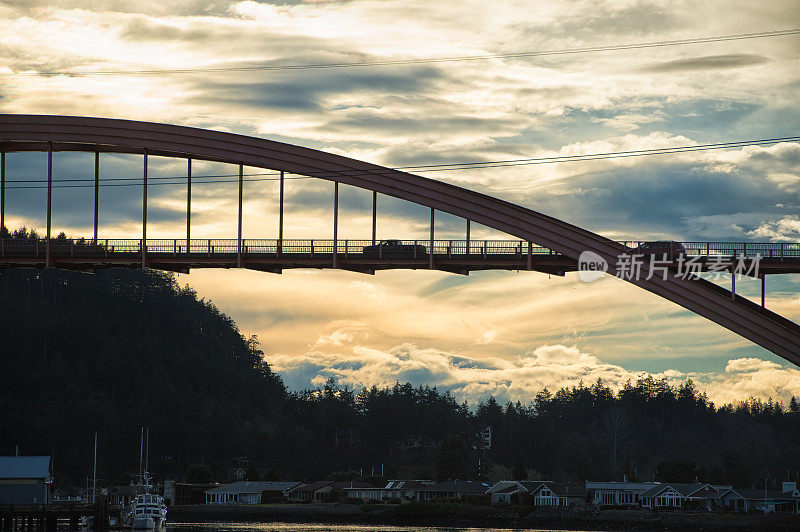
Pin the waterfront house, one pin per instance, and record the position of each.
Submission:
(667, 495)
(246, 492)
(25, 479)
(537, 493)
(548, 493)
(684, 495)
(507, 491)
(324, 490)
(787, 500)
(394, 490)
(186, 493)
(707, 497)
(617, 493)
(464, 490)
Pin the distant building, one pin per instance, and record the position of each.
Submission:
(667, 495)
(786, 500)
(122, 496)
(325, 490)
(246, 492)
(508, 492)
(548, 493)
(394, 490)
(25, 479)
(537, 493)
(472, 490)
(617, 493)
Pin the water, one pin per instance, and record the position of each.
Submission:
(310, 527)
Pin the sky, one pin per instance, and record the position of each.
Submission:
(509, 334)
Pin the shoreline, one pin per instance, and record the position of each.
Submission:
(460, 515)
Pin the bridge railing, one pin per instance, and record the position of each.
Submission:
(767, 250)
(214, 246)
(61, 247)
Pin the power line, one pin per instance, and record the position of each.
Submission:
(596, 156)
(390, 62)
(445, 167)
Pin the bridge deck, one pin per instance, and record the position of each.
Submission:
(458, 256)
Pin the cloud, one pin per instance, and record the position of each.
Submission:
(749, 364)
(284, 92)
(351, 363)
(785, 229)
(708, 62)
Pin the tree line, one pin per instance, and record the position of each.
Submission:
(121, 349)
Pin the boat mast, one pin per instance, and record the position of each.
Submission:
(94, 470)
(141, 452)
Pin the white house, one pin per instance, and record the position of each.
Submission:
(503, 491)
(668, 495)
(537, 493)
(394, 490)
(617, 493)
(549, 493)
(245, 492)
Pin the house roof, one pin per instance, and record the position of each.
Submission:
(24, 467)
(684, 488)
(751, 494)
(313, 486)
(635, 486)
(709, 490)
(407, 484)
(531, 485)
(502, 485)
(252, 487)
(354, 484)
(460, 486)
(561, 490)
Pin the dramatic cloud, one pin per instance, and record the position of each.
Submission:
(341, 355)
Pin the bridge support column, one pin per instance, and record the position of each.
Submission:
(144, 212)
(96, 192)
(335, 224)
(239, 238)
(467, 236)
(374, 215)
(530, 256)
(763, 287)
(2, 201)
(280, 217)
(430, 250)
(733, 285)
(2, 190)
(188, 204)
(47, 260)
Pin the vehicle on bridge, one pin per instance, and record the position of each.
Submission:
(669, 248)
(395, 249)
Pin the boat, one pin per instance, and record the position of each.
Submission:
(148, 510)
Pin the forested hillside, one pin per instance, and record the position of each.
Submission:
(118, 350)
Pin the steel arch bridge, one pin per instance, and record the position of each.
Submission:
(547, 244)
